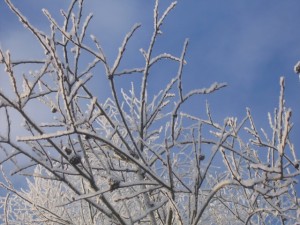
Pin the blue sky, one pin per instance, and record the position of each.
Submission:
(248, 44)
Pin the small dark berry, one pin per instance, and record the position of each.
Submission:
(87, 137)
(201, 157)
(297, 165)
(68, 151)
(74, 160)
(151, 204)
(53, 109)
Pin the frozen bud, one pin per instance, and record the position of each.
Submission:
(217, 134)
(3, 102)
(297, 68)
(53, 109)
(231, 121)
(74, 49)
(74, 160)
(67, 150)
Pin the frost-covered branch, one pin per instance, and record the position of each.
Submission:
(136, 157)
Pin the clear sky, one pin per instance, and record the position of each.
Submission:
(247, 44)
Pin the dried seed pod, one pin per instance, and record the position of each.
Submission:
(74, 160)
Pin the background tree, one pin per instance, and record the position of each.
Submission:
(138, 157)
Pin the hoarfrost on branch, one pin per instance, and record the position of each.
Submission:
(135, 158)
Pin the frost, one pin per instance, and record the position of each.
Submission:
(297, 68)
(93, 37)
(136, 156)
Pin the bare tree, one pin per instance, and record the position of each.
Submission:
(135, 158)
